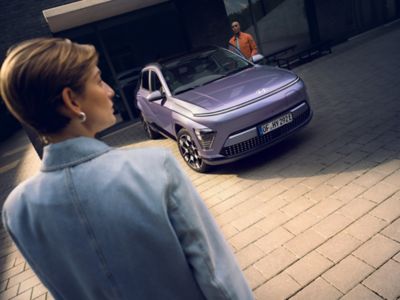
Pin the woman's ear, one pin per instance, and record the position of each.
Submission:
(71, 105)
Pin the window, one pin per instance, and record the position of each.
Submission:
(145, 80)
(274, 24)
(129, 46)
(155, 82)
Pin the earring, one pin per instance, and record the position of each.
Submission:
(82, 117)
(45, 140)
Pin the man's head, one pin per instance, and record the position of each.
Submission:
(236, 27)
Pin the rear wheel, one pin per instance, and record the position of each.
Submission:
(189, 152)
(151, 134)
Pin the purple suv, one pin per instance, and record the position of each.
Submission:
(220, 107)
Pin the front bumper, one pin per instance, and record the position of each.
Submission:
(248, 142)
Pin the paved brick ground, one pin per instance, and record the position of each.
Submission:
(317, 216)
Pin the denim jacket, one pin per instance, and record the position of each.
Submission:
(104, 223)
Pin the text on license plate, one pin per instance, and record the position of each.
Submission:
(274, 124)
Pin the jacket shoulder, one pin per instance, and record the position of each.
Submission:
(152, 152)
(14, 201)
(143, 157)
(247, 35)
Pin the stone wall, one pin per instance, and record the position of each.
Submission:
(23, 19)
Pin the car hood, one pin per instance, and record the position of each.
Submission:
(237, 89)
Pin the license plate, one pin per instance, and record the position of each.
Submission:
(275, 124)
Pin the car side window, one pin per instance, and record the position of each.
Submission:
(145, 80)
(155, 82)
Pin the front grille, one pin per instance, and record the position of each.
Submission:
(270, 137)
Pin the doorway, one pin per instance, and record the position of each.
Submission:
(126, 43)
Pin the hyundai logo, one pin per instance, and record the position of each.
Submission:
(261, 91)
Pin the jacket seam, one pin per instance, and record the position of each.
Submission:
(219, 286)
(217, 283)
(91, 235)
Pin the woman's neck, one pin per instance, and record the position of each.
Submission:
(69, 132)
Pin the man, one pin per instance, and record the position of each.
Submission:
(243, 41)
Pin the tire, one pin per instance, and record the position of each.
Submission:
(150, 133)
(189, 153)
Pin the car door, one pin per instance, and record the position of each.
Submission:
(160, 108)
(143, 92)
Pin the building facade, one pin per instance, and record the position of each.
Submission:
(280, 23)
(130, 33)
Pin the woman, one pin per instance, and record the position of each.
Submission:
(98, 222)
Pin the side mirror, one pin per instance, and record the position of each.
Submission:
(154, 96)
(257, 58)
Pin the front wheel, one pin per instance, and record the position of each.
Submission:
(189, 152)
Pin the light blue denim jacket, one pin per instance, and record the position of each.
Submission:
(103, 223)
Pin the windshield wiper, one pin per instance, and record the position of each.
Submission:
(238, 70)
(199, 85)
(215, 79)
(187, 89)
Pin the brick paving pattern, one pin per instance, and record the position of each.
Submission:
(317, 216)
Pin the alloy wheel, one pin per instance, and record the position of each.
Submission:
(189, 151)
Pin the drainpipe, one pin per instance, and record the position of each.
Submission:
(312, 20)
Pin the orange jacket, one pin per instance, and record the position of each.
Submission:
(246, 43)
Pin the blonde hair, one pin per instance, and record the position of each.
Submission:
(34, 74)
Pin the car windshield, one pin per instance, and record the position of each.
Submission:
(201, 68)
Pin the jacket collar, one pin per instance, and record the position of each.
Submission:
(71, 152)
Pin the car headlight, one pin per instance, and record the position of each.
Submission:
(205, 137)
